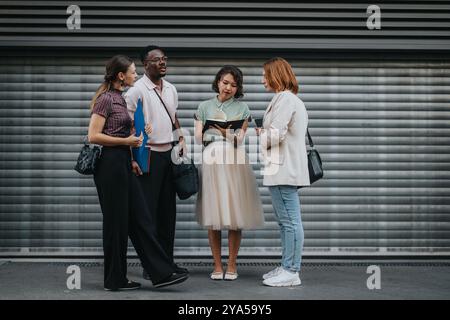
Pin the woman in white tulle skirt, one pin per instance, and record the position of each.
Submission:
(229, 196)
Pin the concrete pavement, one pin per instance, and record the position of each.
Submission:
(321, 280)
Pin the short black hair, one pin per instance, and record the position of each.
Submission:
(237, 75)
(147, 49)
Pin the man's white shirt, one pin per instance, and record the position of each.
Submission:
(154, 112)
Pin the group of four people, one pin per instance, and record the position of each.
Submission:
(142, 205)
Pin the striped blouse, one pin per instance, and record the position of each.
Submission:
(112, 106)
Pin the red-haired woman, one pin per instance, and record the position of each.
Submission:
(285, 166)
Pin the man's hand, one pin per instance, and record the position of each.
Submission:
(135, 168)
(148, 128)
(182, 146)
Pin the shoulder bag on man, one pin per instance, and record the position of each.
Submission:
(185, 173)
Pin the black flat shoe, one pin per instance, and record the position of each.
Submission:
(177, 269)
(174, 278)
(130, 285)
(180, 269)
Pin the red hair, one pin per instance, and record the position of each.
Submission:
(280, 76)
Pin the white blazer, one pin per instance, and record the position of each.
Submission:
(283, 146)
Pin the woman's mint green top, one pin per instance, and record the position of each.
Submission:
(229, 110)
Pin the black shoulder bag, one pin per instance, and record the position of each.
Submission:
(185, 173)
(89, 155)
(88, 158)
(314, 162)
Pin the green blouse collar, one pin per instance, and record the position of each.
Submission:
(224, 104)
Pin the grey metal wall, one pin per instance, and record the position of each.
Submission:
(336, 25)
(382, 127)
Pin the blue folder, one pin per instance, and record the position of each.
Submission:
(141, 154)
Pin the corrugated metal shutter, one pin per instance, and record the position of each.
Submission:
(405, 25)
(382, 128)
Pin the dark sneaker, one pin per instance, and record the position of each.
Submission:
(130, 285)
(179, 269)
(174, 278)
(176, 270)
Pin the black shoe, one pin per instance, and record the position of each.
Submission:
(177, 269)
(130, 285)
(174, 278)
(180, 269)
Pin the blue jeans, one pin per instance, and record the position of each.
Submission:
(286, 203)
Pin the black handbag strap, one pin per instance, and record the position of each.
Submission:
(174, 127)
(311, 144)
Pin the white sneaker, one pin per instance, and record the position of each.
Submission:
(284, 279)
(272, 273)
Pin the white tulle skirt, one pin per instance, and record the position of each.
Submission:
(229, 196)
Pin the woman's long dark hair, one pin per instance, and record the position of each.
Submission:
(116, 64)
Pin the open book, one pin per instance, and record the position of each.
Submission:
(235, 124)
